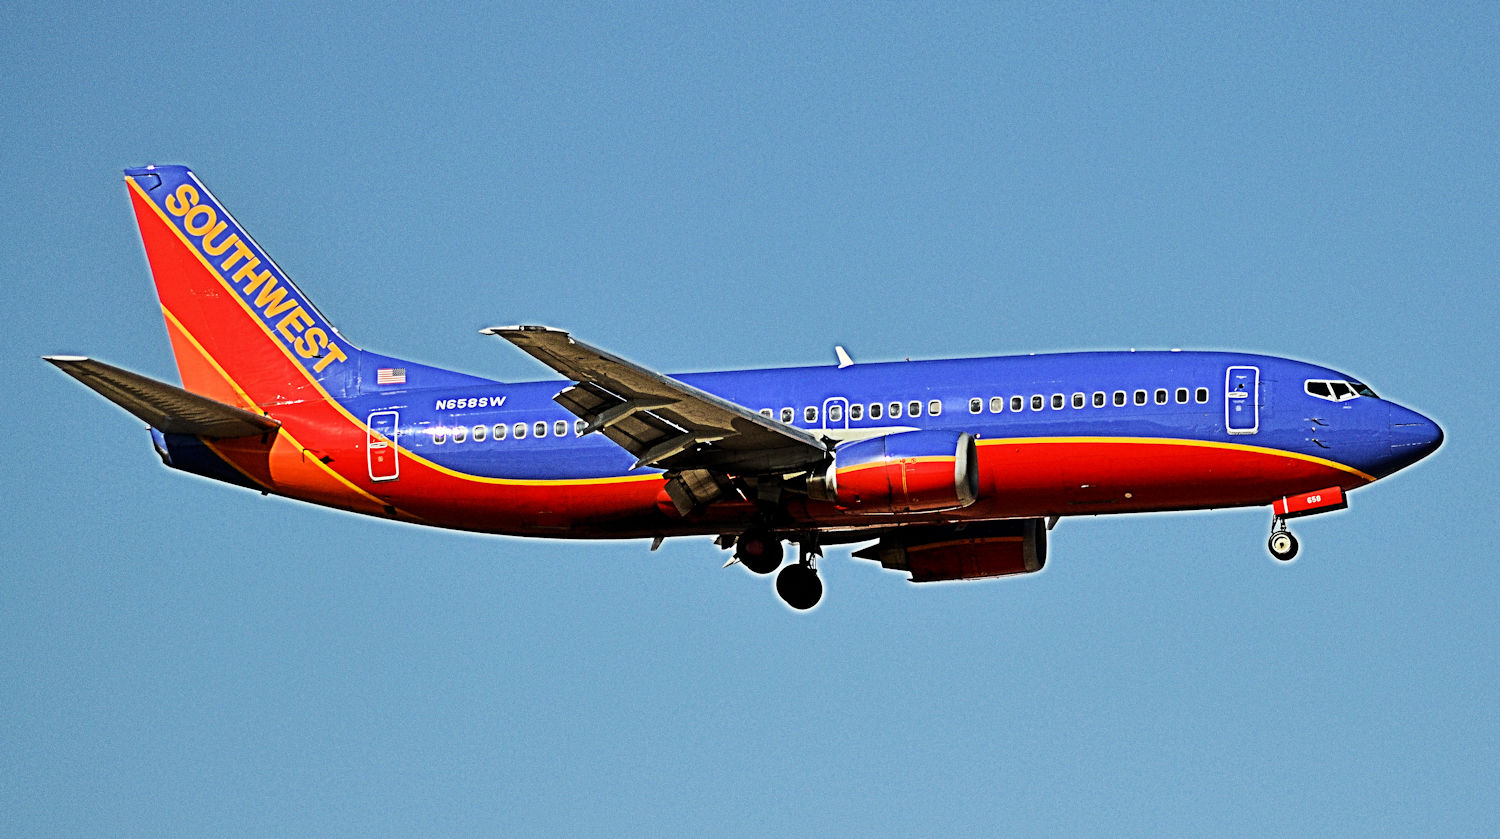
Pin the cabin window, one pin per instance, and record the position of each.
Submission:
(934, 408)
(1140, 397)
(1078, 400)
(498, 432)
(539, 428)
(976, 405)
(578, 427)
(1201, 395)
(1017, 403)
(997, 404)
(914, 408)
(810, 413)
(835, 412)
(1182, 396)
(856, 412)
(480, 432)
(1036, 402)
(460, 434)
(519, 431)
(875, 408)
(1161, 396)
(439, 436)
(765, 412)
(1098, 399)
(1057, 401)
(560, 428)
(786, 414)
(1119, 398)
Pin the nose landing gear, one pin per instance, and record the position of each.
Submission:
(1283, 544)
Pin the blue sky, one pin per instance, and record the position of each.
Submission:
(700, 187)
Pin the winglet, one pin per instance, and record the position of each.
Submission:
(844, 359)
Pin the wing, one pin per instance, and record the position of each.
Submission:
(165, 407)
(665, 423)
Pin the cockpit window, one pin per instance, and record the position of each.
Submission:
(1337, 390)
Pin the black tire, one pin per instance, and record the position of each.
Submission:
(759, 552)
(799, 586)
(1283, 545)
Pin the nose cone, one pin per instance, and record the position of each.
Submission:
(1413, 437)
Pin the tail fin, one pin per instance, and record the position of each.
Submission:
(241, 332)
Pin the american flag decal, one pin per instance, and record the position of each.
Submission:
(390, 376)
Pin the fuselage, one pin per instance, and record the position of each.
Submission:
(1057, 435)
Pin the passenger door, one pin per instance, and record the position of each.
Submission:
(1242, 400)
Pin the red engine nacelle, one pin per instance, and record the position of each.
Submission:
(911, 472)
(963, 552)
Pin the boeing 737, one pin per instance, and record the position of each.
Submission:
(950, 469)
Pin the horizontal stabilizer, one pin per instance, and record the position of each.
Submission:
(167, 408)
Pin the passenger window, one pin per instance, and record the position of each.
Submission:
(895, 410)
(976, 405)
(835, 412)
(578, 427)
(460, 434)
(875, 408)
(1182, 396)
(499, 431)
(934, 408)
(439, 436)
(1057, 401)
(1161, 396)
(479, 433)
(1140, 397)
(856, 412)
(1078, 400)
(810, 414)
(786, 414)
(914, 408)
(997, 404)
(519, 431)
(1119, 398)
(539, 429)
(1201, 395)
(765, 412)
(1017, 403)
(1036, 402)
(1098, 399)
(560, 428)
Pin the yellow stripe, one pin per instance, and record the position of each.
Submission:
(1170, 441)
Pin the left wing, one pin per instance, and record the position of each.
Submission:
(665, 423)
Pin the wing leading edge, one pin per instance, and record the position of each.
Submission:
(663, 422)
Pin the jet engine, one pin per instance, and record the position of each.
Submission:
(909, 472)
(963, 551)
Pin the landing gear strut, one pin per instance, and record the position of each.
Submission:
(1283, 544)
(798, 584)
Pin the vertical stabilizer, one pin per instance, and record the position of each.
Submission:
(242, 333)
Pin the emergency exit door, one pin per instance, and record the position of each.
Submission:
(380, 448)
(1242, 400)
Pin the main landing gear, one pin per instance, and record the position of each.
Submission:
(759, 549)
(1283, 544)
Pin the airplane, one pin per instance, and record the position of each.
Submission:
(951, 469)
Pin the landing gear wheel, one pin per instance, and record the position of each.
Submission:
(758, 551)
(799, 586)
(1283, 545)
